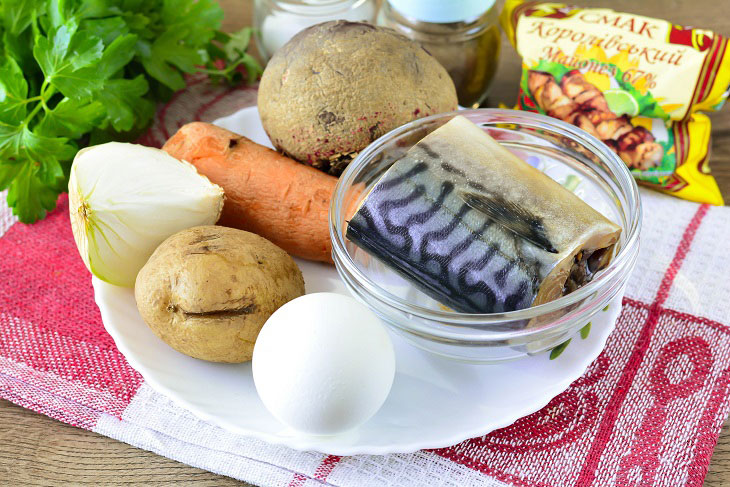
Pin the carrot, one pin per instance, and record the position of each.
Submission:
(266, 193)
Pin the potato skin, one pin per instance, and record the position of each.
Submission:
(207, 291)
(339, 85)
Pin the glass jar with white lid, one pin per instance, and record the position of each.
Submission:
(278, 21)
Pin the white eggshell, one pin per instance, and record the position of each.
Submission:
(323, 364)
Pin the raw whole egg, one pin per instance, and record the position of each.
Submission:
(323, 363)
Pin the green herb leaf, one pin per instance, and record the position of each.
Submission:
(19, 143)
(237, 43)
(170, 50)
(117, 55)
(13, 92)
(18, 47)
(8, 171)
(18, 14)
(161, 70)
(74, 72)
(66, 58)
(199, 17)
(188, 26)
(10, 140)
(45, 153)
(59, 12)
(29, 195)
(107, 29)
(35, 169)
(585, 331)
(231, 49)
(138, 23)
(555, 352)
(99, 8)
(72, 118)
(124, 103)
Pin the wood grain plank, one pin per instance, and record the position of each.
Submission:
(36, 450)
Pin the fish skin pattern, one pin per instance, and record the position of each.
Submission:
(423, 229)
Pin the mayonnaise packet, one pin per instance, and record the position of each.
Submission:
(638, 84)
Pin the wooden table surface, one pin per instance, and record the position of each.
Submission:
(36, 450)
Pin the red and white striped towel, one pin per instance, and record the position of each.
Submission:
(647, 412)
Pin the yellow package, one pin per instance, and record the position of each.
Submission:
(636, 83)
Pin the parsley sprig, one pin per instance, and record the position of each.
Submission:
(77, 72)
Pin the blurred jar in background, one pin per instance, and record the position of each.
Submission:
(462, 34)
(278, 21)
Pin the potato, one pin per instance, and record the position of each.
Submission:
(207, 291)
(337, 86)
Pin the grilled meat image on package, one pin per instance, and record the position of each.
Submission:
(576, 101)
(641, 85)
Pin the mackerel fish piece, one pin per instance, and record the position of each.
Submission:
(478, 229)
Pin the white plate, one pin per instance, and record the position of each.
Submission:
(434, 402)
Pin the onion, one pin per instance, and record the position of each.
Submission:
(125, 199)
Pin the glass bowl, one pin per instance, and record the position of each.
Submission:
(561, 151)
